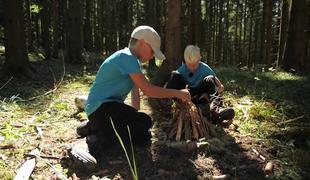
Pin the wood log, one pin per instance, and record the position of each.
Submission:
(179, 130)
(188, 123)
(24, 172)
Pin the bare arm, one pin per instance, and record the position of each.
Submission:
(219, 85)
(158, 92)
(135, 98)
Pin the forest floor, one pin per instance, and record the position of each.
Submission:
(271, 126)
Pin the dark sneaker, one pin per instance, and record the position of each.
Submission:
(84, 129)
(226, 113)
(82, 159)
(219, 114)
(97, 144)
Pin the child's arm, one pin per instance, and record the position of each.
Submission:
(135, 98)
(219, 85)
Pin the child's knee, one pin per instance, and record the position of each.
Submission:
(176, 81)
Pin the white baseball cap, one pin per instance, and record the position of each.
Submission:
(150, 36)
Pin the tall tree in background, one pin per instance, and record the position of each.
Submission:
(294, 56)
(46, 25)
(246, 32)
(226, 45)
(283, 30)
(54, 27)
(16, 59)
(150, 9)
(28, 26)
(75, 32)
(88, 26)
(220, 33)
(195, 22)
(308, 35)
(99, 26)
(172, 42)
(266, 33)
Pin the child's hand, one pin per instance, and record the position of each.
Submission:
(184, 95)
(220, 88)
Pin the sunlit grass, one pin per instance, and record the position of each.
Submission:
(132, 161)
(261, 101)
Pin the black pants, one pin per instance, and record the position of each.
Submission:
(207, 85)
(122, 116)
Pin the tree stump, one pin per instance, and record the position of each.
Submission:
(189, 124)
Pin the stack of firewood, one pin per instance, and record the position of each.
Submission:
(189, 124)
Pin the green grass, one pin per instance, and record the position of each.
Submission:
(19, 116)
(261, 101)
(132, 161)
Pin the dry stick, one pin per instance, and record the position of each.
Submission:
(59, 173)
(195, 131)
(187, 130)
(292, 120)
(173, 131)
(195, 120)
(25, 170)
(204, 126)
(258, 154)
(6, 82)
(179, 129)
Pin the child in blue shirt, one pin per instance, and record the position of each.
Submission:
(118, 75)
(203, 85)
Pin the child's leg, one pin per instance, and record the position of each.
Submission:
(207, 86)
(176, 81)
(122, 116)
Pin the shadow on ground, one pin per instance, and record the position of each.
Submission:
(225, 154)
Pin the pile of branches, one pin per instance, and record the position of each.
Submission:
(189, 124)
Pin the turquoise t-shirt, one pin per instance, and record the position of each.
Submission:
(113, 82)
(201, 72)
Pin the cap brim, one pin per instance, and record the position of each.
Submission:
(158, 54)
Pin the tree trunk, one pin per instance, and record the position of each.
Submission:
(36, 18)
(55, 23)
(150, 7)
(266, 33)
(235, 50)
(88, 26)
(62, 23)
(214, 34)
(241, 16)
(226, 47)
(173, 42)
(16, 59)
(75, 32)
(219, 49)
(245, 30)
(256, 54)
(100, 26)
(283, 31)
(29, 26)
(46, 25)
(308, 36)
(111, 30)
(294, 56)
(195, 22)
(251, 19)
(209, 9)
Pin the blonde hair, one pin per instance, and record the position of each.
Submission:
(192, 54)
